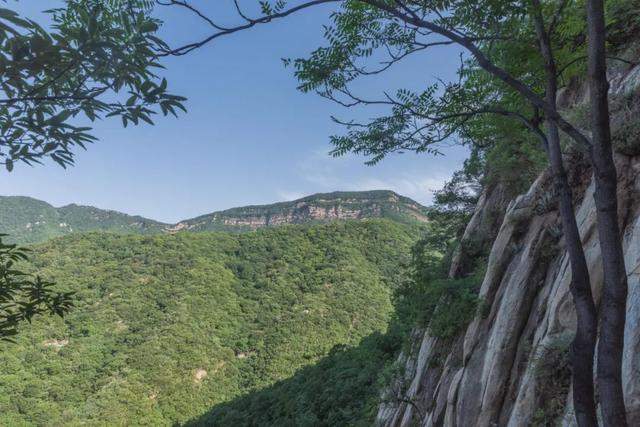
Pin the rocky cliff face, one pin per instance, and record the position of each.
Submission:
(315, 208)
(509, 368)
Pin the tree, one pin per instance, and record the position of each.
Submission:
(98, 59)
(418, 122)
(583, 345)
(614, 291)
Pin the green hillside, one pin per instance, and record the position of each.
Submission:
(29, 220)
(317, 208)
(168, 328)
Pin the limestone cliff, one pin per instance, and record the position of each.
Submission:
(316, 208)
(509, 367)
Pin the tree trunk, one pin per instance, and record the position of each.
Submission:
(614, 292)
(584, 341)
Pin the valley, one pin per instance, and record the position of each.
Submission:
(512, 299)
(167, 327)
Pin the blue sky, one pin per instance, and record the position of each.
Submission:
(249, 136)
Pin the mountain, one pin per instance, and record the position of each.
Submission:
(28, 220)
(167, 327)
(322, 207)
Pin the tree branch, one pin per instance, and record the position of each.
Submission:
(487, 65)
(187, 6)
(582, 58)
(183, 50)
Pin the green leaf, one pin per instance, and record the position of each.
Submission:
(61, 117)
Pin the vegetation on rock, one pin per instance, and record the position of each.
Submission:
(322, 207)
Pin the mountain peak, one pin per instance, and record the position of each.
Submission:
(320, 207)
(28, 220)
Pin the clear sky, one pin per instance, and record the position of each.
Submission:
(249, 136)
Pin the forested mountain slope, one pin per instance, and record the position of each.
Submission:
(321, 207)
(167, 327)
(28, 220)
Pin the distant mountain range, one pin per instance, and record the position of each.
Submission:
(29, 220)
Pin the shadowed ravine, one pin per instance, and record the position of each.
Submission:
(341, 389)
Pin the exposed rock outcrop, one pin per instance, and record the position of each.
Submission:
(492, 373)
(316, 208)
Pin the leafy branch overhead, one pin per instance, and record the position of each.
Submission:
(98, 59)
(367, 37)
(499, 71)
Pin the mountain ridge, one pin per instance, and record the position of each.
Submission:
(319, 207)
(30, 220)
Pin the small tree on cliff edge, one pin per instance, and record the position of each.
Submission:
(419, 121)
(98, 59)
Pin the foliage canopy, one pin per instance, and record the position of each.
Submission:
(167, 327)
(98, 59)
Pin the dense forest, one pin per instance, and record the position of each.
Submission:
(28, 220)
(165, 328)
(509, 306)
